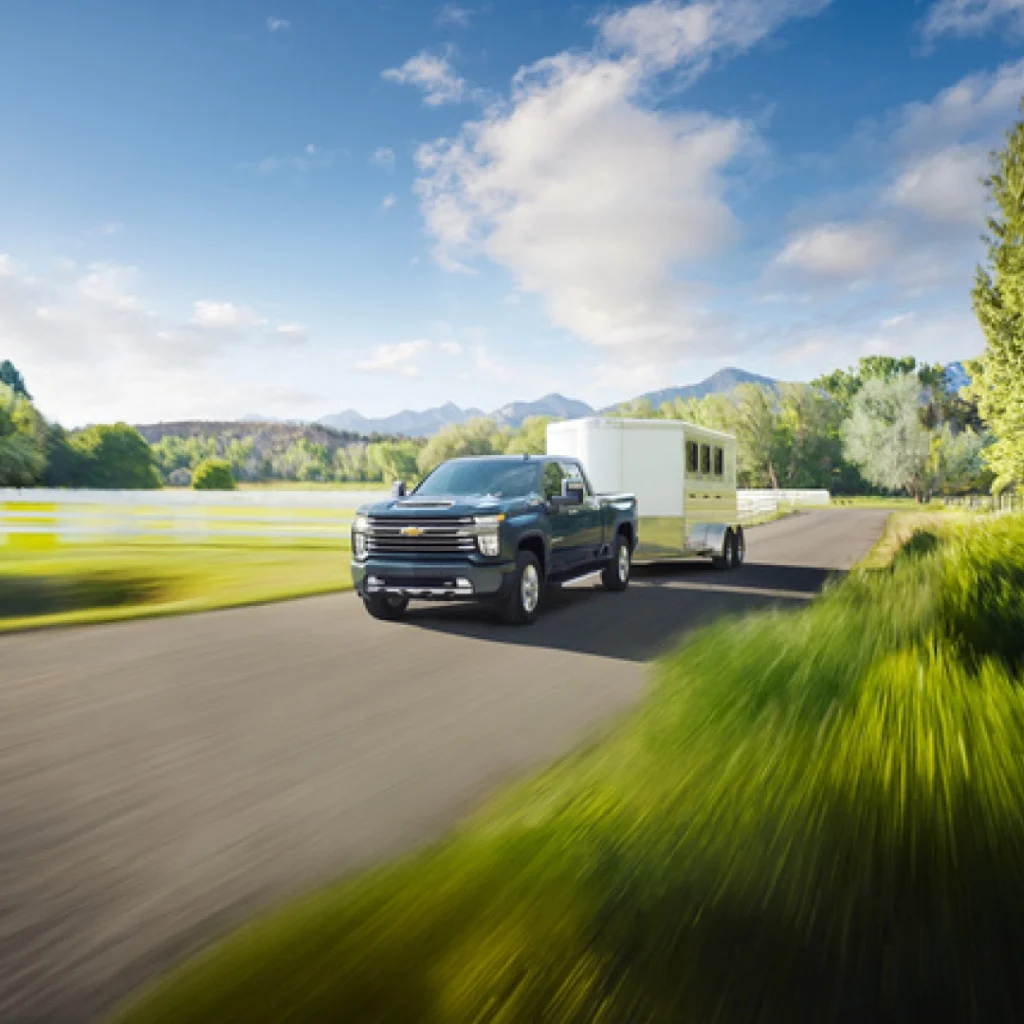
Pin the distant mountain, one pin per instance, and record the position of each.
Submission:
(720, 383)
(409, 422)
(430, 421)
(558, 406)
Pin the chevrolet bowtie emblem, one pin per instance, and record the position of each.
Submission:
(412, 531)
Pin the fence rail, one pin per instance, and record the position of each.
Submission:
(1006, 502)
(39, 517)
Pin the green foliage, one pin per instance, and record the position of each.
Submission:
(115, 457)
(531, 438)
(394, 460)
(477, 437)
(998, 376)
(22, 441)
(885, 437)
(213, 475)
(10, 376)
(815, 816)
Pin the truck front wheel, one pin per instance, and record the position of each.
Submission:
(616, 573)
(389, 607)
(521, 605)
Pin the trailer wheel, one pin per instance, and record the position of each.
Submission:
(726, 560)
(739, 548)
(616, 573)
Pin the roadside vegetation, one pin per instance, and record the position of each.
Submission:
(815, 815)
(103, 583)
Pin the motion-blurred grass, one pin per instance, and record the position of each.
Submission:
(816, 816)
(102, 583)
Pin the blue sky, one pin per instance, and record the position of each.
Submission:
(215, 208)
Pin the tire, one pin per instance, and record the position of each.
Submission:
(739, 548)
(386, 607)
(726, 559)
(617, 572)
(521, 606)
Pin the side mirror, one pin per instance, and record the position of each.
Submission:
(398, 489)
(572, 494)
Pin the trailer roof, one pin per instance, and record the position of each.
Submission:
(630, 421)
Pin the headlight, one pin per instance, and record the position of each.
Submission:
(359, 545)
(360, 524)
(488, 536)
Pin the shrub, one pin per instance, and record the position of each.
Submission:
(213, 475)
(816, 816)
(115, 456)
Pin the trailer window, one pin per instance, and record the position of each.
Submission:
(705, 459)
(692, 457)
(719, 462)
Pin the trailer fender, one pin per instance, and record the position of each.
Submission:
(708, 538)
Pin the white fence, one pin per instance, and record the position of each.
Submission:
(38, 516)
(753, 505)
(31, 517)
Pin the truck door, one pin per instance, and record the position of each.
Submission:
(590, 534)
(565, 521)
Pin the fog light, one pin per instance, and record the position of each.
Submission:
(489, 543)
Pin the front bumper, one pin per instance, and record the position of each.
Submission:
(432, 581)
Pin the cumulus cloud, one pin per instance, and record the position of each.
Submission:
(843, 251)
(973, 17)
(400, 360)
(450, 348)
(946, 186)
(388, 201)
(435, 76)
(278, 24)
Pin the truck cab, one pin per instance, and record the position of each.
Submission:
(498, 529)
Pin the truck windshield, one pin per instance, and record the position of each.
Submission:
(502, 478)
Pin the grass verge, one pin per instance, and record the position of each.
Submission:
(94, 583)
(815, 816)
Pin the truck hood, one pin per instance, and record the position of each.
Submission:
(443, 507)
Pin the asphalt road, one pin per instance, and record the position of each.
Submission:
(160, 781)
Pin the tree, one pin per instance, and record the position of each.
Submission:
(758, 435)
(476, 437)
(10, 376)
(213, 475)
(885, 437)
(998, 375)
(115, 457)
(394, 460)
(22, 441)
(843, 385)
(532, 437)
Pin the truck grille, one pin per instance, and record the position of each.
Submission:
(426, 536)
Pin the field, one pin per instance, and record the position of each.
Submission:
(102, 583)
(815, 816)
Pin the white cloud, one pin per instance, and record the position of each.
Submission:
(976, 107)
(94, 350)
(453, 14)
(450, 348)
(946, 186)
(312, 157)
(668, 34)
(278, 24)
(225, 315)
(6, 265)
(842, 251)
(388, 201)
(401, 359)
(435, 76)
(973, 17)
(383, 156)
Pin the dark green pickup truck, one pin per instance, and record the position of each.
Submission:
(497, 529)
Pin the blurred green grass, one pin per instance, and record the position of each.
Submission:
(815, 816)
(90, 583)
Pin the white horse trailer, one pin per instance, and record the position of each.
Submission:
(684, 477)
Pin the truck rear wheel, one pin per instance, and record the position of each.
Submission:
(521, 606)
(389, 607)
(617, 572)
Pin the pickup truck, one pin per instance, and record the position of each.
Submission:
(492, 528)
